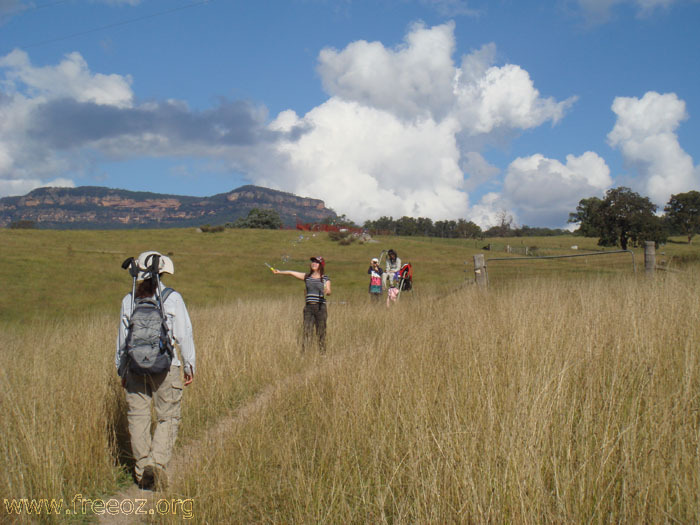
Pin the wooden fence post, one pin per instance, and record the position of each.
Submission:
(649, 257)
(480, 270)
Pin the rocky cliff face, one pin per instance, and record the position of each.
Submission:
(104, 208)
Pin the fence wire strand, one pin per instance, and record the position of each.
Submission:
(535, 268)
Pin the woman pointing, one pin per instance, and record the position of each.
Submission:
(318, 285)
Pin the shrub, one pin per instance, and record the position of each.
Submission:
(22, 225)
(342, 237)
(206, 228)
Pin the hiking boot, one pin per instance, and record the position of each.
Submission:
(160, 478)
(147, 478)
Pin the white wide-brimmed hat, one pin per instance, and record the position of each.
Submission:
(144, 261)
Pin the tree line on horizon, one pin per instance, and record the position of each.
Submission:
(624, 217)
(621, 218)
(451, 229)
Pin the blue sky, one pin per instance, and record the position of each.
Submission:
(438, 108)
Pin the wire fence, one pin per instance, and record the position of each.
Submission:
(571, 265)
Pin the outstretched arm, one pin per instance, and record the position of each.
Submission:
(298, 275)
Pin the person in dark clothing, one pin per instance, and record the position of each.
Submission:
(318, 285)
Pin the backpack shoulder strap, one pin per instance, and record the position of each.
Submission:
(165, 294)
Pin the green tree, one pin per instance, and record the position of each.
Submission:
(445, 229)
(383, 223)
(587, 217)
(651, 228)
(341, 221)
(425, 226)
(683, 212)
(261, 219)
(467, 229)
(406, 226)
(625, 216)
(504, 228)
(529, 231)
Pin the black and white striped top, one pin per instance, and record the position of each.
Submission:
(314, 289)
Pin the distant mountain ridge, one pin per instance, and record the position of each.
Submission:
(97, 207)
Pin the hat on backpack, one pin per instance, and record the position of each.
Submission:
(145, 260)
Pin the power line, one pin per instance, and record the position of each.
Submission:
(115, 24)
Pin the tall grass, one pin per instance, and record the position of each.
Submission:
(547, 403)
(57, 404)
(560, 400)
(62, 410)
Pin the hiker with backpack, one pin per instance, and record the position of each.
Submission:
(318, 285)
(153, 319)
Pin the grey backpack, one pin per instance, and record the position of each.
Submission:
(148, 345)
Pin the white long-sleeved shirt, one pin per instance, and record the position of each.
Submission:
(393, 267)
(179, 327)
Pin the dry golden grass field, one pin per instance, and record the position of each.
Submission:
(563, 396)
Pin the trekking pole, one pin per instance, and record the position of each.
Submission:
(129, 263)
(155, 263)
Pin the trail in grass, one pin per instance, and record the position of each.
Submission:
(183, 456)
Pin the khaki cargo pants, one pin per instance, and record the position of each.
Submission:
(165, 391)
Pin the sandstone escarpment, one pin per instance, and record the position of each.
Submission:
(106, 208)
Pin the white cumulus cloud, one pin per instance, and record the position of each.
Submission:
(645, 134)
(25, 161)
(395, 138)
(415, 79)
(491, 210)
(366, 162)
(23, 186)
(71, 78)
(419, 78)
(492, 98)
(545, 190)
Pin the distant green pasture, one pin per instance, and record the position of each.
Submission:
(64, 273)
(48, 273)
